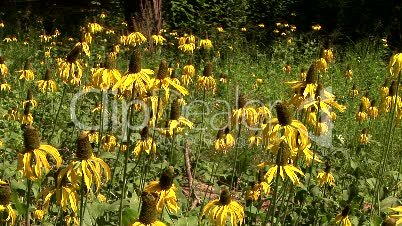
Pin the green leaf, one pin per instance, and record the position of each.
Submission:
(389, 202)
(130, 215)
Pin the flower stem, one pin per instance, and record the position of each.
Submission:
(27, 217)
(82, 200)
(57, 113)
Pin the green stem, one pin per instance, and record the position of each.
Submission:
(234, 171)
(123, 192)
(274, 200)
(391, 129)
(27, 217)
(198, 154)
(82, 200)
(57, 114)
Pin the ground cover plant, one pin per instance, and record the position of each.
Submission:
(116, 128)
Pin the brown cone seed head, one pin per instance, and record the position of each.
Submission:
(135, 62)
(283, 114)
(31, 138)
(312, 74)
(242, 101)
(29, 94)
(175, 110)
(74, 53)
(392, 89)
(148, 213)
(84, 148)
(166, 179)
(346, 210)
(144, 133)
(27, 65)
(208, 69)
(225, 197)
(162, 70)
(5, 195)
(1, 60)
(48, 74)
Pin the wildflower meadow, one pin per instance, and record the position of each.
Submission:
(113, 125)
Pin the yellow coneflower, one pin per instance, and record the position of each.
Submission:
(223, 78)
(70, 69)
(389, 101)
(224, 140)
(71, 219)
(93, 135)
(12, 114)
(187, 43)
(397, 216)
(290, 129)
(366, 101)
(316, 27)
(162, 80)
(349, 72)
(158, 39)
(372, 110)
(47, 83)
(188, 72)
(258, 187)
(38, 214)
(206, 43)
(27, 73)
(321, 64)
(4, 86)
(283, 165)
(85, 166)
(311, 115)
(65, 193)
(26, 117)
(30, 168)
(244, 114)
(287, 68)
(5, 202)
(134, 39)
(84, 47)
(343, 217)
(2, 24)
(45, 38)
(361, 115)
(309, 86)
(146, 143)
(322, 128)
(384, 90)
(325, 177)
(395, 64)
(261, 25)
(176, 121)
(243, 29)
(207, 80)
(324, 101)
(3, 67)
(109, 142)
(218, 209)
(135, 76)
(354, 92)
(328, 55)
(149, 212)
(29, 100)
(255, 140)
(87, 37)
(303, 74)
(220, 29)
(105, 77)
(165, 189)
(94, 27)
(364, 137)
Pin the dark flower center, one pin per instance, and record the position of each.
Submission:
(84, 148)
(148, 213)
(283, 114)
(31, 138)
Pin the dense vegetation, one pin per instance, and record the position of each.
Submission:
(273, 115)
